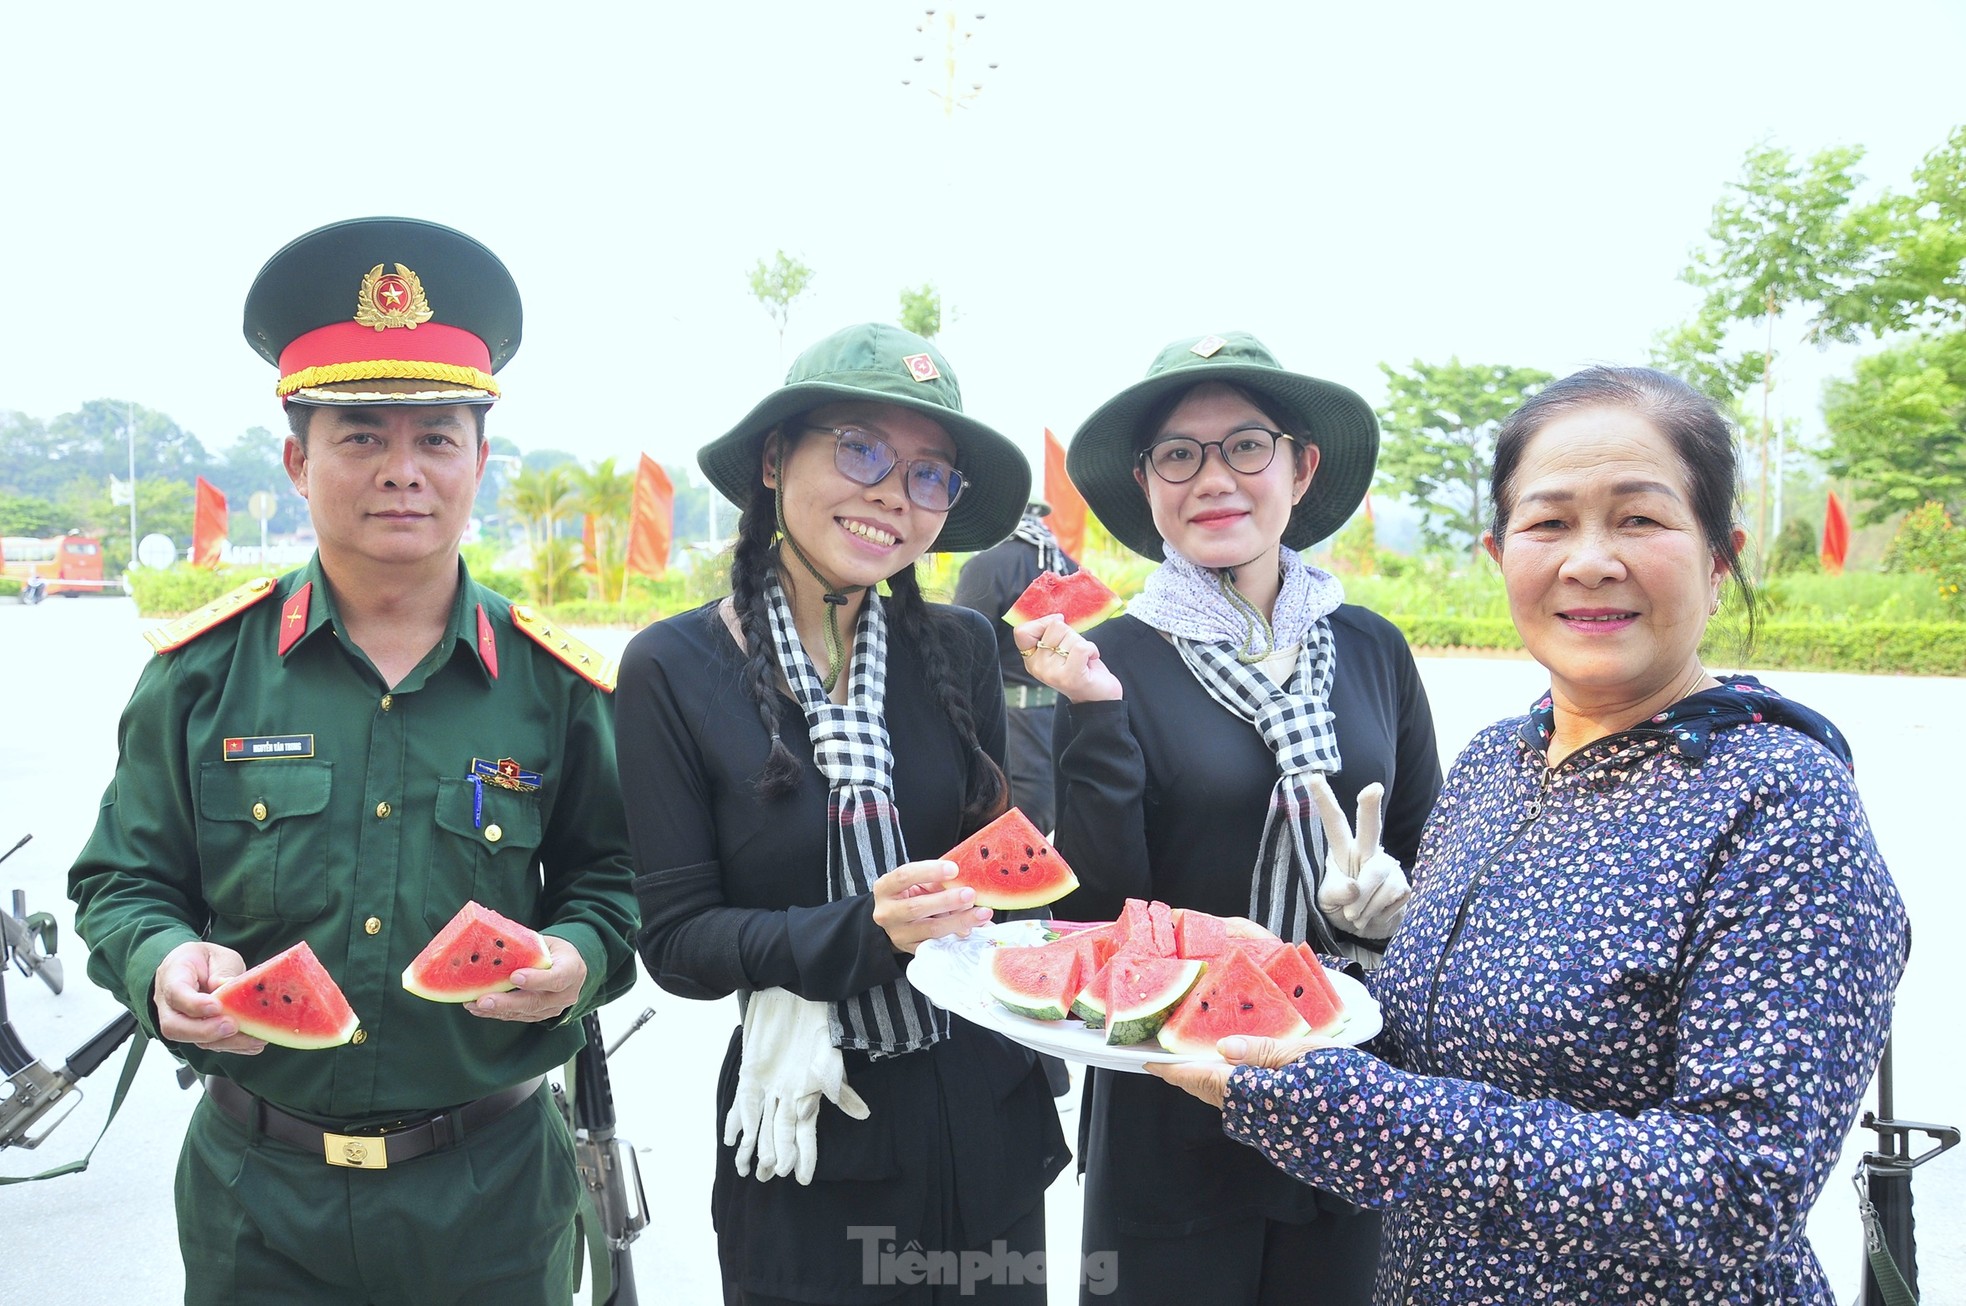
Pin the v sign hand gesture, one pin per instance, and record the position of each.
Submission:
(1363, 890)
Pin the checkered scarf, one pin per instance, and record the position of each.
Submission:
(851, 749)
(1032, 530)
(1185, 601)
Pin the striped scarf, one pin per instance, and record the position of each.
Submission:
(1218, 643)
(1032, 530)
(851, 749)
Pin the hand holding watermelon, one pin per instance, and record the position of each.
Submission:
(538, 994)
(186, 1010)
(1209, 1080)
(917, 901)
(1058, 656)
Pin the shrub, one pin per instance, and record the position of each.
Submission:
(1928, 544)
(176, 591)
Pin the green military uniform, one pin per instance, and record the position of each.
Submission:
(272, 787)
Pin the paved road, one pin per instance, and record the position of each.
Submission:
(106, 1238)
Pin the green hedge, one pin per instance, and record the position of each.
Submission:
(174, 592)
(9, 587)
(1915, 648)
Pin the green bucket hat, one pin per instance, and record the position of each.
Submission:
(1104, 450)
(884, 364)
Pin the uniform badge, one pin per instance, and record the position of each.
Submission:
(1207, 346)
(506, 773)
(255, 748)
(391, 299)
(921, 367)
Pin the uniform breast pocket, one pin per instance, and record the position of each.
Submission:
(486, 844)
(263, 844)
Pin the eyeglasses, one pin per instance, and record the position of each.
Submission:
(1247, 449)
(866, 459)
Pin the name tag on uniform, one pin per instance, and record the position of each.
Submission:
(254, 748)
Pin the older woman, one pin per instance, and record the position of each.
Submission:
(1649, 965)
(791, 752)
(1200, 726)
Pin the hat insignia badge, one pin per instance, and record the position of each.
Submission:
(921, 367)
(1207, 346)
(391, 299)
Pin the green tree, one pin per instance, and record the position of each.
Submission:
(544, 500)
(1916, 278)
(1898, 426)
(776, 284)
(249, 465)
(608, 497)
(163, 508)
(921, 310)
(27, 514)
(1440, 422)
(1928, 541)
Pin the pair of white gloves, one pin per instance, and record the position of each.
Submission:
(1363, 888)
(789, 1064)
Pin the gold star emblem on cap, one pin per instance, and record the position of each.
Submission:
(381, 302)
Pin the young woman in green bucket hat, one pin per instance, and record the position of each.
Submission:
(1205, 729)
(787, 753)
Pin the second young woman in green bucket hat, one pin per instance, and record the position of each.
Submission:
(790, 753)
(1203, 732)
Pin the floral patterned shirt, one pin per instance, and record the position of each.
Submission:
(1630, 1016)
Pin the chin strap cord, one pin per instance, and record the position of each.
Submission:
(1257, 625)
(835, 596)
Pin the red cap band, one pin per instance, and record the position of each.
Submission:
(351, 342)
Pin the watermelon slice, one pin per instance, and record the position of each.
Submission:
(1320, 974)
(1161, 917)
(1309, 993)
(289, 1000)
(1134, 930)
(1198, 935)
(1233, 998)
(474, 955)
(1040, 981)
(1139, 993)
(1011, 866)
(1081, 598)
(1258, 950)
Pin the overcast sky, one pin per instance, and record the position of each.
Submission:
(1510, 183)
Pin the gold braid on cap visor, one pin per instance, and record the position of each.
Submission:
(386, 369)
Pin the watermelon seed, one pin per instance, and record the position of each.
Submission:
(1204, 1004)
(1247, 1005)
(498, 961)
(1025, 869)
(259, 986)
(1297, 992)
(983, 852)
(498, 943)
(286, 997)
(1030, 851)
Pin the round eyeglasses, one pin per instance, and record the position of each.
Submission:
(866, 459)
(1247, 449)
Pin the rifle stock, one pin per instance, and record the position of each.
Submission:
(608, 1166)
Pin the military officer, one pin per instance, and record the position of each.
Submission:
(346, 756)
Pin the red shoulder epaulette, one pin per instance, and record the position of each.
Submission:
(585, 661)
(178, 633)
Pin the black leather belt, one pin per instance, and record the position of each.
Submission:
(1029, 696)
(374, 1150)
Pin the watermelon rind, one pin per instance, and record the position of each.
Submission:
(1236, 998)
(1039, 982)
(1144, 1012)
(1011, 866)
(475, 955)
(290, 1001)
(1081, 598)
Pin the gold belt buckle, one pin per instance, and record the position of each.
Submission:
(355, 1153)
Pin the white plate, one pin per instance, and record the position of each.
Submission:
(950, 972)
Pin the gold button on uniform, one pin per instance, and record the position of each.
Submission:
(493, 833)
(382, 811)
(361, 1036)
(387, 701)
(259, 811)
(372, 925)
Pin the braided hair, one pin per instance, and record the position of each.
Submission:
(936, 634)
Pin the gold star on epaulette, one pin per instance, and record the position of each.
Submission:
(178, 633)
(588, 663)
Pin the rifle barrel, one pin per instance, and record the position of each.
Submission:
(103, 1042)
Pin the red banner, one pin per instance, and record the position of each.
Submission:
(590, 551)
(654, 518)
(208, 525)
(1836, 535)
(1067, 520)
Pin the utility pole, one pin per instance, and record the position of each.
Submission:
(130, 430)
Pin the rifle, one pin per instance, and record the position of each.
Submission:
(607, 1165)
(32, 1088)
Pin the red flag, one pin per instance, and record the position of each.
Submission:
(654, 516)
(207, 525)
(1368, 505)
(1836, 536)
(590, 552)
(1067, 520)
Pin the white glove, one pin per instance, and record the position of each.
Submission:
(1363, 889)
(789, 1063)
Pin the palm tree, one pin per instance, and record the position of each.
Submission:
(608, 497)
(542, 501)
